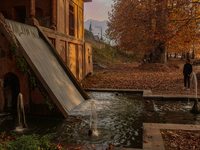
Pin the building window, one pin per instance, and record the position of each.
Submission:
(4, 14)
(20, 13)
(71, 20)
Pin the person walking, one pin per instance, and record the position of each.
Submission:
(187, 71)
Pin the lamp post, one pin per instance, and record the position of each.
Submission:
(99, 27)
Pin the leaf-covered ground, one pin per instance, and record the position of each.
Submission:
(160, 78)
(181, 140)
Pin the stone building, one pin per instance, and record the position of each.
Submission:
(62, 21)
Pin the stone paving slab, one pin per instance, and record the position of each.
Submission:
(151, 133)
(147, 94)
(170, 97)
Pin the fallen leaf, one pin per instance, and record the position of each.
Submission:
(145, 141)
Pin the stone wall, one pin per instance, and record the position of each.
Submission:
(13, 81)
(95, 43)
(8, 66)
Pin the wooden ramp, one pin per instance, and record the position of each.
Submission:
(49, 67)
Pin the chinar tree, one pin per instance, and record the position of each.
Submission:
(155, 26)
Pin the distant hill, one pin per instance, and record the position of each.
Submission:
(96, 31)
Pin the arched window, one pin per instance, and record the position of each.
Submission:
(4, 14)
(11, 90)
(19, 13)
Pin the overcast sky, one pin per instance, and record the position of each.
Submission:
(97, 9)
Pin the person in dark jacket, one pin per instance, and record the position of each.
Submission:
(187, 71)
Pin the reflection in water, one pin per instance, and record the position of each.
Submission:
(120, 120)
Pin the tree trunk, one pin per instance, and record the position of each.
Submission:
(160, 51)
(167, 56)
(188, 56)
(193, 54)
(183, 55)
(159, 54)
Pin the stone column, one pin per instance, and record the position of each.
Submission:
(53, 14)
(32, 8)
(32, 20)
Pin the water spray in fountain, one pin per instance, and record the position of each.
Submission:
(21, 113)
(94, 132)
(195, 108)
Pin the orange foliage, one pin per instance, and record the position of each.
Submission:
(141, 26)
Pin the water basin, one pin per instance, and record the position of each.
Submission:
(120, 120)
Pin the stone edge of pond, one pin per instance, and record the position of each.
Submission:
(120, 90)
(171, 97)
(152, 138)
(116, 148)
(84, 147)
(147, 94)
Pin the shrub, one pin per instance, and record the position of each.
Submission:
(28, 142)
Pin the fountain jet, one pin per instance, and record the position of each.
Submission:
(20, 110)
(93, 132)
(195, 108)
